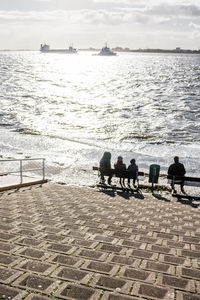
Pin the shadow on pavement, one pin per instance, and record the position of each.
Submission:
(194, 204)
(160, 197)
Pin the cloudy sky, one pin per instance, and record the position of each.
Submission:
(24, 24)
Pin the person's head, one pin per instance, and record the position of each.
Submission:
(119, 159)
(132, 161)
(176, 159)
(107, 155)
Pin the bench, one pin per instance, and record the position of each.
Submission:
(125, 174)
(189, 181)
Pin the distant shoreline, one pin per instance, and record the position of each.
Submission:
(174, 51)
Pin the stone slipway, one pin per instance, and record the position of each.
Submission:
(60, 242)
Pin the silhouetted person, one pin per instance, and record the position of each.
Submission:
(177, 169)
(133, 168)
(119, 165)
(105, 164)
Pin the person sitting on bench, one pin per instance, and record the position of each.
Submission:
(105, 164)
(119, 165)
(177, 169)
(133, 168)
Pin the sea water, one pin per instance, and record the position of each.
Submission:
(69, 109)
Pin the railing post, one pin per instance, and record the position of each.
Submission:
(21, 176)
(43, 168)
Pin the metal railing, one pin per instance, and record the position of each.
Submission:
(31, 166)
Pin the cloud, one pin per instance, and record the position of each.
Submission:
(128, 22)
(148, 15)
(178, 10)
(195, 26)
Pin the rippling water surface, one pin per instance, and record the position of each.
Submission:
(70, 108)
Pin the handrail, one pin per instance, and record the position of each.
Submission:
(20, 170)
(14, 159)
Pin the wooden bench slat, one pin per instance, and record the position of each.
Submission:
(117, 173)
(184, 178)
(190, 181)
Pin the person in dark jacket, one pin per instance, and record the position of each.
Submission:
(133, 168)
(119, 165)
(105, 164)
(177, 169)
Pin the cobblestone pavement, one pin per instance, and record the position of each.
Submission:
(64, 242)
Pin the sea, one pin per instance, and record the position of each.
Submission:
(69, 109)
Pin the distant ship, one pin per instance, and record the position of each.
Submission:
(46, 49)
(105, 51)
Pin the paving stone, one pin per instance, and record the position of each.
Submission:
(66, 249)
(8, 275)
(175, 260)
(92, 254)
(137, 274)
(7, 247)
(52, 230)
(36, 267)
(100, 267)
(5, 227)
(189, 253)
(123, 235)
(29, 242)
(36, 297)
(26, 232)
(166, 236)
(105, 239)
(174, 244)
(28, 225)
(195, 247)
(37, 283)
(7, 236)
(161, 249)
(190, 239)
(84, 243)
(132, 244)
(112, 248)
(176, 282)
(9, 260)
(152, 291)
(77, 292)
(144, 254)
(67, 260)
(148, 239)
(53, 237)
(77, 234)
(7, 220)
(158, 267)
(124, 260)
(112, 283)
(33, 253)
(188, 272)
(187, 296)
(72, 274)
(114, 296)
(7, 293)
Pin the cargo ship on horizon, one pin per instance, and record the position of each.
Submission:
(46, 49)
